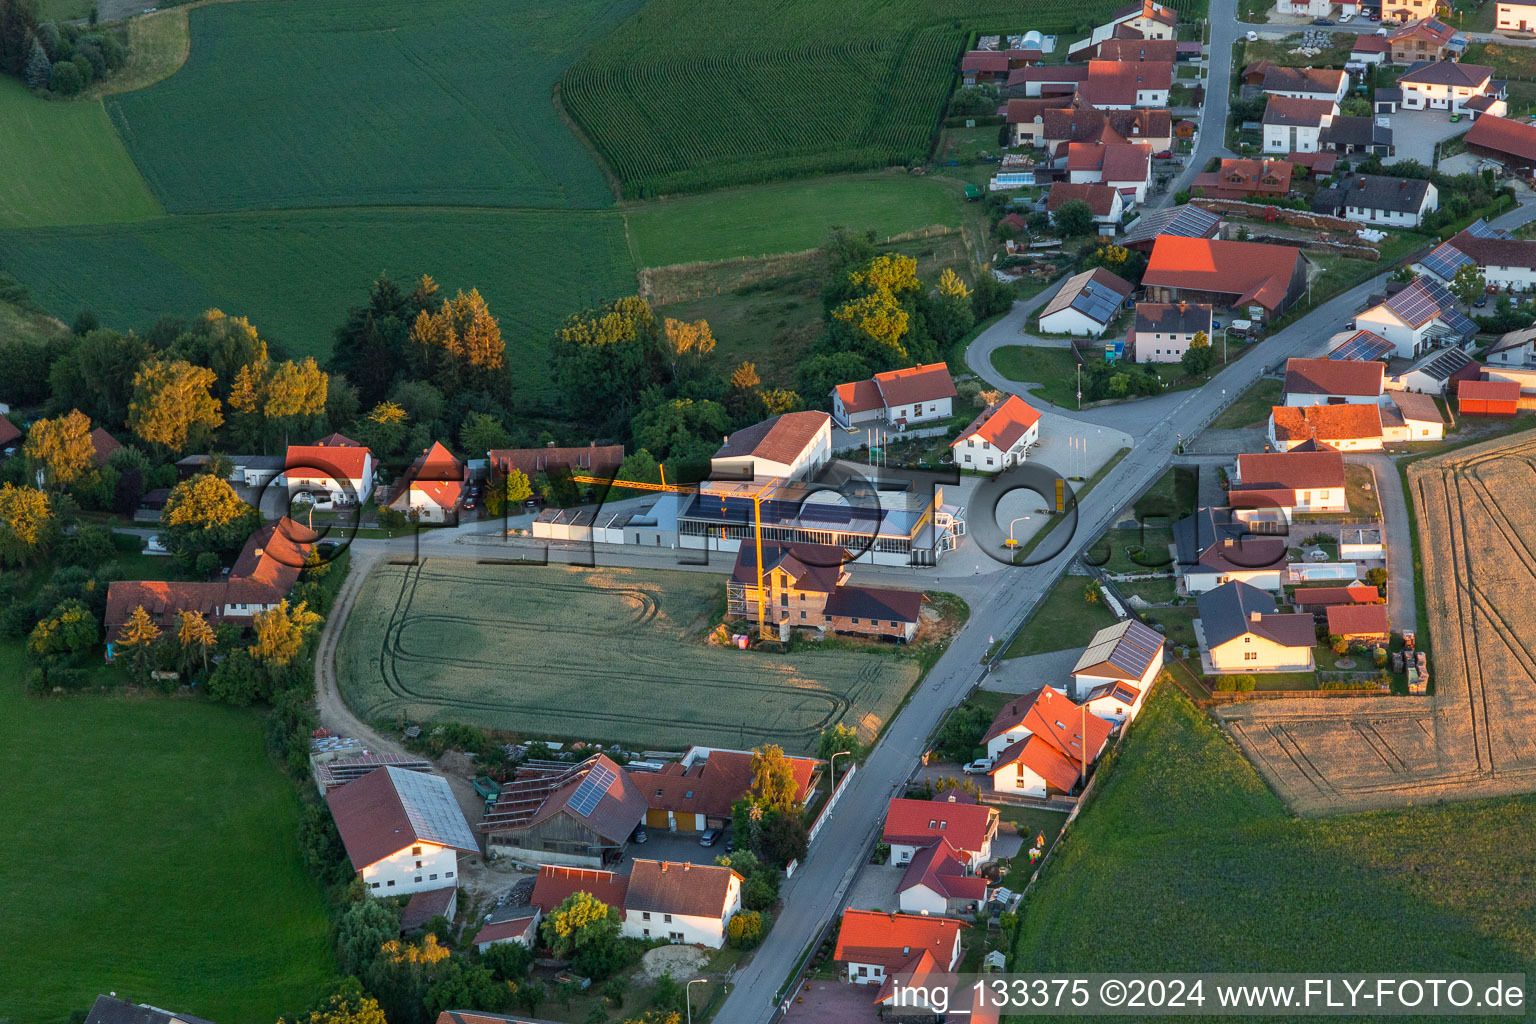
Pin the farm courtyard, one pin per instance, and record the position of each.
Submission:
(1473, 735)
(606, 655)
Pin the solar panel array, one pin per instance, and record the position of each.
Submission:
(1097, 301)
(1363, 346)
(430, 807)
(1482, 229)
(1416, 303)
(590, 793)
(1445, 261)
(1134, 652)
(1458, 323)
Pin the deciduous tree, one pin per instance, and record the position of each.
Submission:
(773, 779)
(480, 432)
(204, 513)
(1073, 218)
(138, 638)
(67, 632)
(28, 525)
(61, 448)
(173, 404)
(459, 345)
(686, 344)
(281, 633)
(195, 638)
(1468, 283)
(580, 919)
(602, 358)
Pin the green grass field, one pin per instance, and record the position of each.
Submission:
(763, 90)
(1251, 408)
(1064, 619)
(786, 217)
(1052, 370)
(151, 852)
(1226, 880)
(370, 102)
(294, 273)
(606, 655)
(61, 163)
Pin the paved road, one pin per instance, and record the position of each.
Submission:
(1402, 606)
(1225, 31)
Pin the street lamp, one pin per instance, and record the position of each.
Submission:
(832, 766)
(1011, 541)
(688, 995)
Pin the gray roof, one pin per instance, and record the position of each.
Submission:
(1235, 608)
(1193, 534)
(1446, 72)
(1173, 317)
(1128, 646)
(1355, 131)
(107, 1010)
(1181, 221)
(259, 461)
(1441, 365)
(1096, 294)
(1379, 192)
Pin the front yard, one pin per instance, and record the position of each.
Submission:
(1065, 618)
(1133, 550)
(1251, 409)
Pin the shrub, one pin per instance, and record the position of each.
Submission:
(746, 929)
(1244, 684)
(65, 79)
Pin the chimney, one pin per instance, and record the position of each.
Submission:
(686, 865)
(1254, 616)
(664, 866)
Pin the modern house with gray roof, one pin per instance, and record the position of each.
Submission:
(1242, 631)
(1378, 199)
(1129, 652)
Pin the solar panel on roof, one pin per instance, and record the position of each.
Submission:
(1445, 261)
(1097, 301)
(1363, 347)
(1482, 229)
(1458, 323)
(590, 793)
(1415, 304)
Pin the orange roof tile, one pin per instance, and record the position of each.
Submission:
(921, 822)
(894, 940)
(1001, 424)
(1326, 422)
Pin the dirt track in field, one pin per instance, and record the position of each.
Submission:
(1475, 736)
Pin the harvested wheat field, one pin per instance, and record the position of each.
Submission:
(607, 655)
(1473, 736)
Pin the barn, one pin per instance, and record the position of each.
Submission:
(1488, 398)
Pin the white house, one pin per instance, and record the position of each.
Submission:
(403, 830)
(335, 469)
(1344, 428)
(1306, 83)
(1042, 743)
(1444, 85)
(1408, 416)
(1514, 17)
(255, 471)
(938, 881)
(898, 398)
(1115, 702)
(1513, 358)
(876, 946)
(1393, 202)
(1128, 652)
(1434, 373)
(915, 825)
(1304, 8)
(1289, 481)
(1503, 260)
(433, 488)
(1105, 201)
(689, 904)
(1333, 381)
(1163, 331)
(515, 924)
(1244, 632)
(1295, 125)
(1127, 84)
(791, 446)
(1214, 546)
(1417, 318)
(999, 438)
(1085, 304)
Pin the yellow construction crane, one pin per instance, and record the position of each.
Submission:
(757, 531)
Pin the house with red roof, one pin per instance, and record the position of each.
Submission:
(434, 487)
(1125, 166)
(1042, 743)
(1058, 80)
(1343, 428)
(1306, 83)
(1425, 39)
(1125, 85)
(878, 947)
(335, 470)
(555, 883)
(999, 438)
(103, 445)
(1155, 50)
(402, 829)
(914, 825)
(790, 446)
(580, 814)
(1358, 621)
(1512, 143)
(1263, 279)
(1026, 118)
(510, 924)
(1318, 599)
(9, 433)
(1106, 202)
(1334, 381)
(1290, 481)
(698, 792)
(898, 398)
(1071, 122)
(938, 881)
(1244, 179)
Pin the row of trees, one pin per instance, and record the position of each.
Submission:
(61, 58)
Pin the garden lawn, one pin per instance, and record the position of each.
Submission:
(295, 273)
(61, 163)
(786, 216)
(151, 852)
(1178, 624)
(1251, 408)
(1214, 852)
(1062, 620)
(1053, 371)
(1110, 552)
(370, 102)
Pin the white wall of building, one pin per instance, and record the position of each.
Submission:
(1259, 654)
(1015, 778)
(683, 929)
(1201, 580)
(1072, 321)
(980, 455)
(416, 868)
(1282, 138)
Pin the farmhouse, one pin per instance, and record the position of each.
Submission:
(683, 903)
(556, 813)
(1129, 652)
(1498, 138)
(433, 488)
(1503, 260)
(1295, 125)
(403, 830)
(555, 883)
(982, 67)
(111, 1010)
(1069, 123)
(1163, 331)
(1176, 221)
(593, 460)
(1290, 481)
(805, 587)
(1345, 428)
(266, 570)
(697, 792)
(1244, 632)
(1488, 398)
(1125, 85)
(1122, 165)
(1409, 416)
(1417, 318)
(1105, 201)
(898, 398)
(914, 825)
(1333, 381)
(1086, 303)
(938, 881)
(1266, 278)
(1215, 546)
(1377, 199)
(1437, 373)
(999, 438)
(1514, 17)
(1042, 743)
(1306, 83)
(1447, 85)
(1358, 621)
(1242, 179)
(876, 946)
(334, 469)
(1370, 49)
(1427, 39)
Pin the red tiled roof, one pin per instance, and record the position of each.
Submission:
(713, 783)
(779, 438)
(1126, 162)
(1316, 597)
(104, 444)
(1149, 9)
(392, 808)
(1504, 136)
(1253, 271)
(1353, 619)
(1371, 44)
(1278, 78)
(668, 887)
(594, 460)
(984, 60)
(895, 940)
(340, 457)
(8, 431)
(513, 928)
(1023, 111)
(1350, 377)
(1489, 390)
(436, 474)
(1430, 29)
(920, 822)
(1099, 197)
(1049, 714)
(1037, 754)
(1291, 471)
(1117, 82)
(1245, 554)
(1326, 422)
(1163, 50)
(1263, 176)
(1001, 423)
(556, 882)
(927, 383)
(942, 869)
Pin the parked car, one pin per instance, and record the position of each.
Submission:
(1345, 19)
(1482, 300)
(730, 842)
(1166, 154)
(639, 836)
(709, 837)
(980, 766)
(1322, 21)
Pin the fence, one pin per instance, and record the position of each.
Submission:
(837, 794)
(1294, 218)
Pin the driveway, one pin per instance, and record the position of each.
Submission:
(1021, 675)
(1415, 133)
(875, 888)
(1402, 602)
(678, 847)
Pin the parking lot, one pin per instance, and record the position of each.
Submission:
(679, 847)
(1415, 133)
